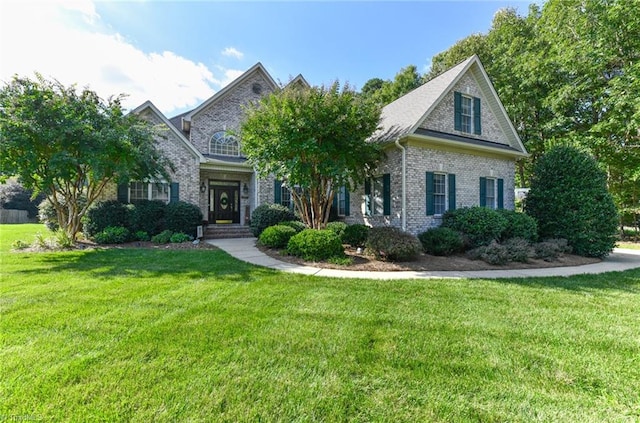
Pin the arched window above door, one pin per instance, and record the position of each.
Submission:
(224, 144)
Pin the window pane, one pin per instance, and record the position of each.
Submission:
(439, 193)
(138, 191)
(378, 196)
(224, 144)
(285, 197)
(341, 201)
(467, 114)
(160, 192)
(491, 193)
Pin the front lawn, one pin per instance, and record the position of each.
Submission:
(194, 335)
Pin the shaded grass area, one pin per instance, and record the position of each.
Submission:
(171, 335)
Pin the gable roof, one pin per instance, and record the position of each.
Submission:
(149, 105)
(239, 80)
(403, 117)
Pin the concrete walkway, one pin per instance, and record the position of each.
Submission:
(245, 249)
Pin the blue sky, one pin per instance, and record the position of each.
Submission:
(178, 54)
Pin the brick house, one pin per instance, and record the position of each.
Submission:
(449, 143)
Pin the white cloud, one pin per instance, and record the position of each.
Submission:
(232, 52)
(61, 40)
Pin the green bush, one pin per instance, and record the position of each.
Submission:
(315, 245)
(493, 253)
(276, 236)
(47, 215)
(141, 236)
(183, 217)
(148, 216)
(163, 237)
(14, 196)
(569, 199)
(104, 214)
(355, 235)
(547, 251)
(267, 215)
(479, 225)
(295, 224)
(112, 235)
(337, 227)
(391, 244)
(179, 237)
(441, 241)
(519, 225)
(518, 249)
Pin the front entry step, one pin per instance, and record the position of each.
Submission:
(227, 231)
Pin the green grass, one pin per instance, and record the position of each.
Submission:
(165, 335)
(628, 245)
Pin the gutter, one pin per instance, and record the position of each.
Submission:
(404, 185)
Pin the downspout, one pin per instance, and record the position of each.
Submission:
(404, 185)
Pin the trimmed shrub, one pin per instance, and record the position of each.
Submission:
(519, 225)
(112, 235)
(441, 241)
(141, 236)
(569, 199)
(337, 227)
(182, 217)
(163, 237)
(315, 245)
(276, 236)
(179, 237)
(518, 249)
(295, 224)
(103, 215)
(479, 225)
(267, 215)
(547, 251)
(355, 235)
(493, 253)
(147, 215)
(391, 244)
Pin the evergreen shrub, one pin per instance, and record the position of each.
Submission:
(103, 215)
(276, 236)
(391, 244)
(337, 227)
(568, 197)
(315, 245)
(267, 215)
(112, 235)
(355, 235)
(479, 225)
(519, 225)
(441, 241)
(183, 217)
(148, 216)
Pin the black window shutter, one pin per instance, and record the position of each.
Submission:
(386, 192)
(277, 191)
(483, 192)
(174, 191)
(367, 197)
(501, 193)
(347, 199)
(430, 189)
(457, 111)
(452, 191)
(477, 129)
(123, 193)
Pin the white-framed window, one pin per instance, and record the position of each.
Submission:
(377, 196)
(224, 144)
(439, 193)
(466, 114)
(149, 191)
(490, 196)
(285, 197)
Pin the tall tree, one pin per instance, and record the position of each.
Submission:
(69, 144)
(315, 141)
(384, 92)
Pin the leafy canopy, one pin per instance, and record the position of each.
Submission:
(69, 144)
(313, 139)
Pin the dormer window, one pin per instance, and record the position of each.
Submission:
(224, 144)
(467, 116)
